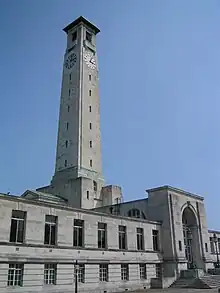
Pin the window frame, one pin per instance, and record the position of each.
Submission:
(15, 275)
(51, 221)
(140, 238)
(122, 237)
(102, 230)
(18, 218)
(78, 232)
(143, 271)
(50, 274)
(103, 273)
(124, 272)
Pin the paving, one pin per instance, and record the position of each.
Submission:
(184, 290)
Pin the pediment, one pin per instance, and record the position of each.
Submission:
(42, 196)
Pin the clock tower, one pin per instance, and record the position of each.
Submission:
(78, 168)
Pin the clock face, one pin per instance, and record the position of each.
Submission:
(90, 60)
(70, 61)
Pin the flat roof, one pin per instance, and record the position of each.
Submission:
(79, 20)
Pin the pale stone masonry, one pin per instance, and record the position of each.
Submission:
(77, 228)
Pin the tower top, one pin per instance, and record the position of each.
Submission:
(79, 20)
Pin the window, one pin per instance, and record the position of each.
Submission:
(103, 273)
(124, 272)
(90, 144)
(95, 186)
(87, 194)
(88, 37)
(155, 240)
(67, 125)
(68, 108)
(90, 93)
(90, 163)
(206, 247)
(134, 213)
(180, 245)
(70, 76)
(66, 144)
(90, 109)
(102, 235)
(69, 92)
(143, 272)
(17, 226)
(90, 125)
(50, 230)
(218, 244)
(74, 36)
(122, 237)
(78, 233)
(212, 245)
(140, 239)
(81, 274)
(15, 274)
(50, 272)
(90, 77)
(65, 163)
(158, 270)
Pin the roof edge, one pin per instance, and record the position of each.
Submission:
(78, 21)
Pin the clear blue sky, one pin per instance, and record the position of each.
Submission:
(159, 85)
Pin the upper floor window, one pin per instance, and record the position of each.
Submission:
(87, 194)
(15, 274)
(155, 235)
(88, 37)
(206, 247)
(90, 108)
(90, 125)
(140, 239)
(50, 274)
(90, 93)
(17, 226)
(90, 163)
(143, 271)
(90, 144)
(95, 187)
(66, 143)
(74, 36)
(67, 125)
(50, 233)
(122, 237)
(65, 163)
(158, 270)
(70, 76)
(124, 272)
(134, 213)
(90, 77)
(212, 245)
(103, 273)
(78, 233)
(68, 108)
(102, 235)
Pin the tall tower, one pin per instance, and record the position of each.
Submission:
(78, 169)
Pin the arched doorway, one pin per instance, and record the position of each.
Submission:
(191, 238)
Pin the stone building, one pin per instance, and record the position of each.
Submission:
(78, 229)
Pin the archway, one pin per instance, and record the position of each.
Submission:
(191, 238)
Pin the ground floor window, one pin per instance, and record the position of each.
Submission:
(81, 273)
(143, 272)
(103, 273)
(15, 274)
(50, 274)
(158, 270)
(124, 272)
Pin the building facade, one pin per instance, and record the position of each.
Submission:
(79, 232)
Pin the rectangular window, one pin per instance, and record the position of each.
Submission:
(218, 244)
(50, 274)
(70, 76)
(90, 144)
(15, 274)
(81, 273)
(65, 163)
(67, 125)
(17, 226)
(103, 273)
(140, 239)
(74, 36)
(206, 247)
(90, 163)
(90, 125)
(212, 246)
(69, 92)
(90, 109)
(78, 233)
(180, 245)
(90, 77)
(87, 194)
(122, 237)
(143, 272)
(90, 93)
(102, 235)
(158, 270)
(88, 37)
(155, 240)
(50, 232)
(124, 272)
(68, 108)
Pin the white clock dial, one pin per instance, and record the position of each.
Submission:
(70, 61)
(90, 60)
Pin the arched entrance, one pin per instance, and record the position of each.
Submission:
(191, 238)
